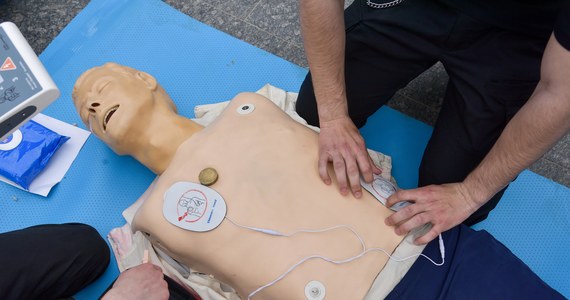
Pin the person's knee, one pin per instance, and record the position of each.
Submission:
(87, 258)
(89, 245)
(51, 261)
(432, 171)
(81, 253)
(446, 161)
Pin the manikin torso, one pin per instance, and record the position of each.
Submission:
(268, 177)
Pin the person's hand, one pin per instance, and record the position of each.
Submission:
(340, 142)
(445, 206)
(144, 281)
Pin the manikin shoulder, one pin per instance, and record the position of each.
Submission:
(251, 109)
(258, 101)
(245, 96)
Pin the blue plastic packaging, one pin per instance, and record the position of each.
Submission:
(26, 152)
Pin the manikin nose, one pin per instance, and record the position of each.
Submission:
(93, 105)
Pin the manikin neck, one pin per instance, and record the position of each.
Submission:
(164, 137)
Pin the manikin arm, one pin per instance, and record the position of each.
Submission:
(543, 120)
(340, 142)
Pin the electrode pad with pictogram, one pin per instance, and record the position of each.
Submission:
(381, 189)
(193, 206)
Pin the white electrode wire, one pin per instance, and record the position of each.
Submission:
(277, 233)
(293, 267)
(347, 260)
(337, 262)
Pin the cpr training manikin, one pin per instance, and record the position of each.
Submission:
(241, 199)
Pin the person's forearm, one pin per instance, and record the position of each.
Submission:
(543, 120)
(533, 130)
(322, 25)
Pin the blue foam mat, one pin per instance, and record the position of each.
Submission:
(197, 64)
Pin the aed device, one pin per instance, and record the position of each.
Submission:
(25, 86)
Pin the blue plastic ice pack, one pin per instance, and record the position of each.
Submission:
(26, 152)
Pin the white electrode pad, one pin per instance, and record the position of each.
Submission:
(315, 290)
(245, 109)
(382, 189)
(193, 207)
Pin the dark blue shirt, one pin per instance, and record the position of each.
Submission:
(562, 29)
(534, 17)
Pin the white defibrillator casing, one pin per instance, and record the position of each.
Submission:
(25, 86)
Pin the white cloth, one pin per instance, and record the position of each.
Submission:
(205, 114)
(207, 287)
(394, 270)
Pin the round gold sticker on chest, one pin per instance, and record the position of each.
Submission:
(208, 176)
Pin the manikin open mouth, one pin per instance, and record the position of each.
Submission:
(108, 116)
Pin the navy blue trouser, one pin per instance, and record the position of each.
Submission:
(50, 261)
(477, 266)
(492, 73)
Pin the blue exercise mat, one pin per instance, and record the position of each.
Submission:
(197, 64)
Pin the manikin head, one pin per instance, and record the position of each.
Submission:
(129, 111)
(119, 104)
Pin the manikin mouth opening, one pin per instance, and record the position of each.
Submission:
(108, 116)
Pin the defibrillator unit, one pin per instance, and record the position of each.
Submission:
(25, 86)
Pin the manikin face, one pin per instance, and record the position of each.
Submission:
(115, 102)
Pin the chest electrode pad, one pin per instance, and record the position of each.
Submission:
(193, 206)
(381, 189)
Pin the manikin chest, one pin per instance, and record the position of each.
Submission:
(268, 178)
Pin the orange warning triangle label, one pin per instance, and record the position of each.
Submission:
(8, 65)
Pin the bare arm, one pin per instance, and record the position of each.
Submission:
(322, 25)
(543, 120)
(340, 142)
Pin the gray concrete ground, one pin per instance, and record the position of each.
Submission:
(273, 26)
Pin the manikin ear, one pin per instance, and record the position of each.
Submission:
(148, 80)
